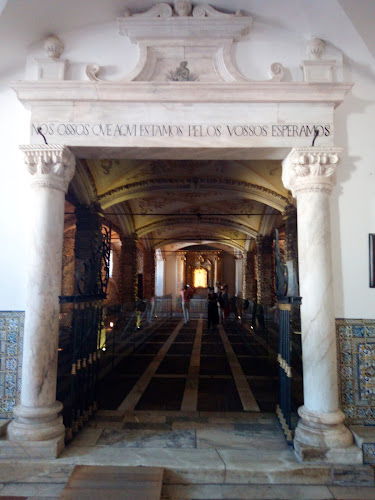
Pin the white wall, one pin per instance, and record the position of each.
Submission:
(353, 200)
(14, 207)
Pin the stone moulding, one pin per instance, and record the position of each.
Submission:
(182, 8)
(35, 93)
(199, 34)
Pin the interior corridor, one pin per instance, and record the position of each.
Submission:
(187, 368)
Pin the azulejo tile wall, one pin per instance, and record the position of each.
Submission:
(356, 365)
(11, 342)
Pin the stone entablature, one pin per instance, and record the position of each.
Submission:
(236, 115)
(185, 71)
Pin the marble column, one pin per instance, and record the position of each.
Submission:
(239, 273)
(266, 271)
(216, 261)
(308, 173)
(160, 276)
(181, 272)
(37, 423)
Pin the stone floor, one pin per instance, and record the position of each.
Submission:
(205, 455)
(213, 429)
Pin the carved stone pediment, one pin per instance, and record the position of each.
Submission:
(184, 42)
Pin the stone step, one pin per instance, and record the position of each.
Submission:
(364, 436)
(109, 482)
(193, 416)
(188, 466)
(196, 470)
(265, 492)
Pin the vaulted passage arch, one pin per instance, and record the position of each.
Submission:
(232, 187)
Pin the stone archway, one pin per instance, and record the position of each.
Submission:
(190, 118)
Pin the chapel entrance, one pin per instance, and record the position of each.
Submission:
(207, 150)
(205, 222)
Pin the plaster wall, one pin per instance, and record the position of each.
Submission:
(14, 199)
(353, 200)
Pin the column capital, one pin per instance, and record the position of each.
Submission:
(182, 255)
(52, 166)
(311, 169)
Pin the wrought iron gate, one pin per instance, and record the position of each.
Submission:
(79, 338)
(285, 303)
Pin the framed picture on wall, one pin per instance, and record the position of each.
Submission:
(372, 259)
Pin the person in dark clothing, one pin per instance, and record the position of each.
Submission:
(226, 299)
(212, 310)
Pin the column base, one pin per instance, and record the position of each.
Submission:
(323, 437)
(36, 424)
(50, 448)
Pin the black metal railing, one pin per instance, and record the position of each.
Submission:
(128, 326)
(78, 362)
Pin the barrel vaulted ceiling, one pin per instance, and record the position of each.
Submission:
(165, 202)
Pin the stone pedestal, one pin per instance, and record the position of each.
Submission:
(308, 173)
(37, 418)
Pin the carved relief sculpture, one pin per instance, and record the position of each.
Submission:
(164, 30)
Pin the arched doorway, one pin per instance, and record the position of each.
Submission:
(201, 130)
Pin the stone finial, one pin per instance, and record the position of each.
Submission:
(53, 46)
(315, 49)
(182, 7)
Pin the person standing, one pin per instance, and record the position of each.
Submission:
(212, 310)
(221, 305)
(186, 294)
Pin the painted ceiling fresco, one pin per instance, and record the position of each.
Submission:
(168, 202)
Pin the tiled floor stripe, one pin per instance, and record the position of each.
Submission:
(247, 397)
(131, 400)
(190, 398)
